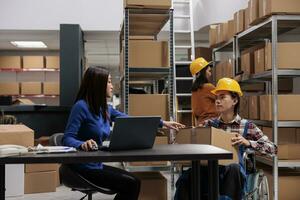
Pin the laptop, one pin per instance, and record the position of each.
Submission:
(134, 132)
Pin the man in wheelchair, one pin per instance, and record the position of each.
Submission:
(236, 181)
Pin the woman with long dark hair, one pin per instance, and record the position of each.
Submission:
(89, 125)
(203, 101)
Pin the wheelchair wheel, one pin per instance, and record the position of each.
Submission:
(263, 188)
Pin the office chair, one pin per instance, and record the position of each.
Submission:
(73, 179)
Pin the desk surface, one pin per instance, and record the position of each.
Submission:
(157, 153)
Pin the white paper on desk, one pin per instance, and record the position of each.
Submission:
(53, 149)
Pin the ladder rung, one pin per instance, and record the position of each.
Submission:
(182, 31)
(184, 111)
(182, 16)
(183, 94)
(181, 2)
(184, 78)
(183, 47)
(183, 62)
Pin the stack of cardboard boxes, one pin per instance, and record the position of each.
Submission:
(28, 84)
(34, 178)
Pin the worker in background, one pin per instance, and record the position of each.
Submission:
(89, 124)
(203, 101)
(232, 177)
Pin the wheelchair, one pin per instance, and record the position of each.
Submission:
(256, 187)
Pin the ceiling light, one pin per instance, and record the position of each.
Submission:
(29, 44)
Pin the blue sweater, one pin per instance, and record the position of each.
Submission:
(84, 125)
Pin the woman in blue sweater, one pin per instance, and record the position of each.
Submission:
(89, 124)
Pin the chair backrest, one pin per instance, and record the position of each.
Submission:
(56, 139)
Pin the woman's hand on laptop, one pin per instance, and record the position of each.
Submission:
(88, 145)
(173, 125)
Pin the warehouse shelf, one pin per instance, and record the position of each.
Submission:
(146, 22)
(281, 163)
(137, 73)
(35, 96)
(258, 33)
(183, 62)
(184, 78)
(228, 46)
(28, 70)
(267, 75)
(184, 94)
(184, 111)
(281, 124)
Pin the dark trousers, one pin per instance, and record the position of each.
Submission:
(124, 183)
(231, 183)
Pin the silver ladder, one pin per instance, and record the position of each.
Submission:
(181, 48)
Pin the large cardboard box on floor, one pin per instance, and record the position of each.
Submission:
(163, 4)
(149, 105)
(34, 62)
(16, 134)
(288, 107)
(268, 7)
(9, 88)
(239, 21)
(213, 136)
(288, 183)
(38, 182)
(285, 135)
(147, 53)
(52, 62)
(10, 62)
(31, 88)
(153, 186)
(287, 55)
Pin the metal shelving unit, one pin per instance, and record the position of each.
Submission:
(270, 29)
(147, 22)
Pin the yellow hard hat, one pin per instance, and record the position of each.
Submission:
(228, 84)
(197, 65)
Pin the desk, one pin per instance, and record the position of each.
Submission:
(193, 152)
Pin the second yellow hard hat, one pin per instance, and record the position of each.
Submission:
(197, 65)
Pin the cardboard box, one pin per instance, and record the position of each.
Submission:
(288, 151)
(287, 55)
(153, 186)
(163, 4)
(33, 62)
(13, 62)
(298, 135)
(259, 60)
(219, 70)
(288, 107)
(16, 134)
(247, 63)
(23, 101)
(31, 88)
(9, 88)
(52, 62)
(239, 18)
(51, 88)
(253, 14)
(269, 7)
(247, 17)
(231, 32)
(288, 183)
(40, 167)
(285, 135)
(253, 87)
(38, 182)
(202, 52)
(212, 35)
(253, 107)
(149, 105)
(213, 136)
(224, 32)
(244, 107)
